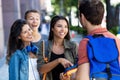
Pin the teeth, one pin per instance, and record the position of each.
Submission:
(62, 33)
(34, 25)
(30, 36)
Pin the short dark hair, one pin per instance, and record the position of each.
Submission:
(52, 24)
(93, 10)
(30, 11)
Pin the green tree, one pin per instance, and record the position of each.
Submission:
(67, 4)
(64, 7)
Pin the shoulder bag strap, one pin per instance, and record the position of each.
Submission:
(44, 57)
(43, 52)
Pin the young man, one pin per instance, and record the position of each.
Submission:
(91, 15)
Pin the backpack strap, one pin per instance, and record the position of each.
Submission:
(108, 71)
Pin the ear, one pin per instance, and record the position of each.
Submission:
(83, 18)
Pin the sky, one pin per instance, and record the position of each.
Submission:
(114, 2)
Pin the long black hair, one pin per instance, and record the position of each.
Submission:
(14, 42)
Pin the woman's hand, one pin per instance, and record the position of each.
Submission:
(66, 63)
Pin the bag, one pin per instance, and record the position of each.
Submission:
(70, 70)
(103, 58)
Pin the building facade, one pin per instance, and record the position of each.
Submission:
(10, 10)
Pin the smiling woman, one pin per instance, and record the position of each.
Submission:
(21, 52)
(60, 50)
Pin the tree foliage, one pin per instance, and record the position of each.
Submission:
(67, 4)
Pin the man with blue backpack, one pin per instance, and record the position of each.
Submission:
(99, 51)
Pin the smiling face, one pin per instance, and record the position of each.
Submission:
(26, 34)
(60, 29)
(33, 20)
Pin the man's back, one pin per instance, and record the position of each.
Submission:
(91, 15)
(103, 57)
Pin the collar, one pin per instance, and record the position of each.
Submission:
(24, 50)
(67, 44)
(98, 30)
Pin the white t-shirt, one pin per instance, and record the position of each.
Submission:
(33, 72)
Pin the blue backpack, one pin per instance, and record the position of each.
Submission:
(103, 58)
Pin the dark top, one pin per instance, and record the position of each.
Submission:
(59, 68)
(38, 43)
(70, 48)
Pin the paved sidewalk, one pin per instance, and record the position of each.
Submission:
(3, 67)
(4, 72)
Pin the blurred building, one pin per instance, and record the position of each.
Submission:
(10, 10)
(1, 31)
